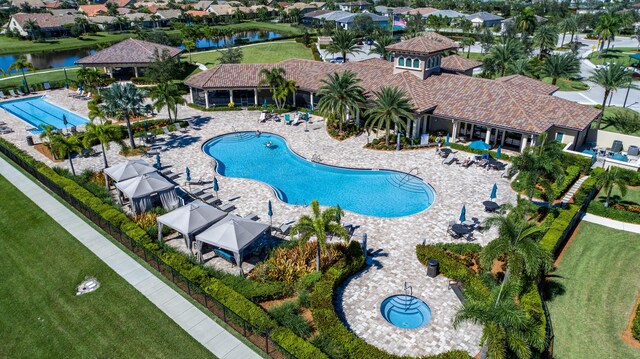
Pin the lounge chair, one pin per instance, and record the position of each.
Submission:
(74, 93)
(227, 207)
(19, 92)
(2, 95)
(87, 96)
(616, 147)
(179, 128)
(263, 117)
(46, 85)
(154, 150)
(226, 255)
(166, 131)
(287, 119)
(12, 93)
(80, 95)
(467, 162)
(5, 130)
(450, 159)
(284, 228)
(296, 119)
(252, 216)
(193, 125)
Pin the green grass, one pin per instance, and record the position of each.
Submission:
(568, 84)
(632, 197)
(14, 46)
(474, 56)
(609, 113)
(620, 55)
(284, 29)
(596, 285)
(269, 52)
(38, 76)
(42, 317)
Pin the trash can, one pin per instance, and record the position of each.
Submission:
(432, 268)
(30, 140)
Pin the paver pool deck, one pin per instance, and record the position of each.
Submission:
(393, 240)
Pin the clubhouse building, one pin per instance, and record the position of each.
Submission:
(509, 111)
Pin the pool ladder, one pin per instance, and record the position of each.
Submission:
(316, 158)
(408, 290)
(406, 175)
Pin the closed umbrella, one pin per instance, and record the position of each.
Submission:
(64, 120)
(494, 191)
(311, 109)
(216, 188)
(265, 104)
(188, 174)
(338, 216)
(158, 165)
(499, 152)
(463, 214)
(270, 212)
(446, 141)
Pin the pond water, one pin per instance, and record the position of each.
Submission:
(44, 60)
(237, 39)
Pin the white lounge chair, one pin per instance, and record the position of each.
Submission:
(193, 125)
(12, 93)
(450, 159)
(179, 128)
(2, 95)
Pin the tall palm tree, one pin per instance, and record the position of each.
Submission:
(123, 102)
(103, 133)
(521, 67)
(89, 77)
(612, 177)
(279, 86)
(540, 165)
(167, 95)
(65, 146)
(47, 133)
(505, 52)
(507, 329)
(189, 45)
(526, 21)
(380, 46)
(560, 66)
(607, 28)
(467, 42)
(343, 42)
(32, 27)
(610, 77)
(391, 106)
(570, 25)
(636, 36)
(546, 38)
(20, 65)
(340, 94)
(318, 225)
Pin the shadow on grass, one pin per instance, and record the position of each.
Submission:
(553, 287)
(617, 199)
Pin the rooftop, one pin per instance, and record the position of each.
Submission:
(130, 51)
(484, 16)
(44, 20)
(428, 42)
(459, 63)
(93, 10)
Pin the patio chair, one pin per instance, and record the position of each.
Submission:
(87, 96)
(263, 116)
(2, 95)
(46, 85)
(75, 93)
(166, 131)
(80, 94)
(193, 125)
(179, 128)
(616, 147)
(252, 216)
(4, 130)
(227, 207)
(12, 93)
(19, 92)
(450, 159)
(633, 151)
(287, 119)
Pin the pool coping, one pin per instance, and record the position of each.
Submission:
(275, 190)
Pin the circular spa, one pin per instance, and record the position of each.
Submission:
(295, 180)
(405, 311)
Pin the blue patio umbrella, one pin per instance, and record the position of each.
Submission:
(265, 104)
(270, 212)
(216, 188)
(499, 152)
(146, 126)
(338, 216)
(494, 191)
(311, 109)
(463, 214)
(158, 165)
(479, 145)
(188, 172)
(66, 85)
(446, 141)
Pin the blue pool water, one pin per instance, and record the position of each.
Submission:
(405, 311)
(38, 112)
(298, 181)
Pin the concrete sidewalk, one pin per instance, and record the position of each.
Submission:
(611, 223)
(201, 327)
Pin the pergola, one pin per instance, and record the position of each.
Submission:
(128, 169)
(140, 189)
(130, 53)
(232, 233)
(190, 219)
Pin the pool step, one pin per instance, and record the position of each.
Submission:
(408, 185)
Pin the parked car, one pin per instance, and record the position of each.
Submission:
(337, 60)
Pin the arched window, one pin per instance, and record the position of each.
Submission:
(401, 61)
(416, 63)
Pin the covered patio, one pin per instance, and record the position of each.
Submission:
(190, 220)
(146, 190)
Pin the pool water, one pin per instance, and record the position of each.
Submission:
(295, 180)
(38, 112)
(405, 311)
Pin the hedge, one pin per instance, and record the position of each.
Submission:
(459, 147)
(236, 302)
(584, 163)
(214, 108)
(571, 175)
(598, 208)
(635, 326)
(557, 228)
(585, 189)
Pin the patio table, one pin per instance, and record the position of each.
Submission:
(490, 206)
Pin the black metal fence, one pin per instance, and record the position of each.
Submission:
(261, 339)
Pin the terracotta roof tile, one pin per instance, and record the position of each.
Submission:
(428, 42)
(93, 10)
(130, 51)
(458, 63)
(527, 83)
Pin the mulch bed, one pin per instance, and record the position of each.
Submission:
(627, 336)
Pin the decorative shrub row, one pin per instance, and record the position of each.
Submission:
(585, 189)
(243, 307)
(598, 208)
(557, 228)
(584, 163)
(214, 108)
(571, 175)
(459, 147)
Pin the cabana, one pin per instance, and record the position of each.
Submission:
(232, 234)
(127, 169)
(190, 219)
(140, 189)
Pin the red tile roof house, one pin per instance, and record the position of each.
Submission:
(127, 58)
(93, 10)
(509, 111)
(50, 25)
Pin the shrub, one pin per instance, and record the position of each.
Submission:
(557, 228)
(459, 147)
(214, 108)
(585, 189)
(570, 159)
(598, 208)
(571, 174)
(288, 314)
(635, 326)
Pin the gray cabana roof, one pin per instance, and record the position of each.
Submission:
(189, 219)
(232, 233)
(144, 185)
(128, 169)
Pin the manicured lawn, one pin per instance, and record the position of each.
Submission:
(597, 283)
(269, 52)
(15, 46)
(39, 76)
(284, 29)
(41, 315)
(609, 113)
(620, 55)
(568, 84)
(632, 197)
(474, 56)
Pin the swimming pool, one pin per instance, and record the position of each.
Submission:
(38, 112)
(405, 311)
(295, 180)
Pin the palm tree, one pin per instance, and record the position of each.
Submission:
(610, 77)
(340, 94)
(568, 24)
(391, 106)
(89, 77)
(20, 65)
(467, 42)
(507, 329)
(343, 42)
(526, 22)
(318, 225)
(167, 95)
(47, 132)
(636, 36)
(189, 45)
(104, 133)
(521, 67)
(540, 165)
(123, 101)
(505, 52)
(612, 177)
(279, 86)
(607, 27)
(546, 38)
(380, 46)
(32, 27)
(65, 146)
(560, 66)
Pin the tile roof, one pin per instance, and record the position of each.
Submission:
(44, 20)
(130, 51)
(529, 84)
(198, 13)
(39, 4)
(458, 63)
(484, 16)
(446, 13)
(93, 10)
(202, 5)
(422, 11)
(428, 42)
(120, 3)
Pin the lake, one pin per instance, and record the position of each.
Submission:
(44, 60)
(237, 39)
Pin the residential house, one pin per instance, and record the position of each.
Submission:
(305, 8)
(342, 18)
(446, 13)
(484, 19)
(353, 6)
(50, 26)
(121, 3)
(33, 4)
(93, 10)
